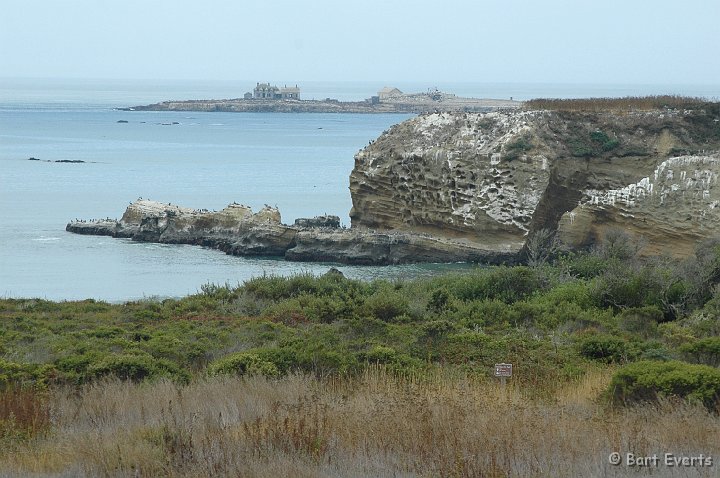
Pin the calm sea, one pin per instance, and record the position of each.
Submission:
(298, 162)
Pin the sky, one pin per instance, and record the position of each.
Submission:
(530, 41)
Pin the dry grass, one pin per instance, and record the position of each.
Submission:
(24, 413)
(629, 103)
(375, 425)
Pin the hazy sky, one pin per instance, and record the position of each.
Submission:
(574, 41)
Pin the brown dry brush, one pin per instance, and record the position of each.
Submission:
(629, 103)
(24, 413)
(378, 424)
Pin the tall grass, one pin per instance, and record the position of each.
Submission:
(375, 424)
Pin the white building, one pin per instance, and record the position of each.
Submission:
(388, 92)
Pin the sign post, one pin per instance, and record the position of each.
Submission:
(503, 370)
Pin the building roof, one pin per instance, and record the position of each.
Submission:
(265, 86)
(389, 90)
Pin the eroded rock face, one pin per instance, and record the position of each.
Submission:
(494, 178)
(674, 207)
(445, 174)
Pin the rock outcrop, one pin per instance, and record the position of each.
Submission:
(318, 221)
(237, 230)
(495, 178)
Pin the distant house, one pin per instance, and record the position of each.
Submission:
(248, 96)
(263, 91)
(292, 93)
(388, 92)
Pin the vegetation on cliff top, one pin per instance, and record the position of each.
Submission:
(628, 103)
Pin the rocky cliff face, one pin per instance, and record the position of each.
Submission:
(495, 178)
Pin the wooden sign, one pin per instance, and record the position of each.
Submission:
(503, 370)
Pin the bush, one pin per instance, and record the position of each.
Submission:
(243, 363)
(380, 354)
(439, 300)
(648, 380)
(584, 265)
(508, 284)
(12, 374)
(641, 320)
(136, 367)
(386, 305)
(626, 287)
(603, 348)
(604, 141)
(514, 149)
(705, 351)
(485, 313)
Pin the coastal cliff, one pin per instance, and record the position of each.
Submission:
(499, 177)
(468, 187)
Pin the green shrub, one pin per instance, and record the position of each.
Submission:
(604, 141)
(508, 284)
(648, 380)
(278, 287)
(626, 287)
(135, 367)
(381, 354)
(515, 148)
(641, 320)
(705, 351)
(466, 347)
(12, 374)
(439, 299)
(386, 305)
(243, 363)
(485, 313)
(584, 265)
(603, 348)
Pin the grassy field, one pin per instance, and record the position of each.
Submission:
(325, 376)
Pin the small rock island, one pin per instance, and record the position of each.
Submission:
(271, 99)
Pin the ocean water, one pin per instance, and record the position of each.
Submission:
(298, 162)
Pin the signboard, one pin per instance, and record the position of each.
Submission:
(503, 370)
